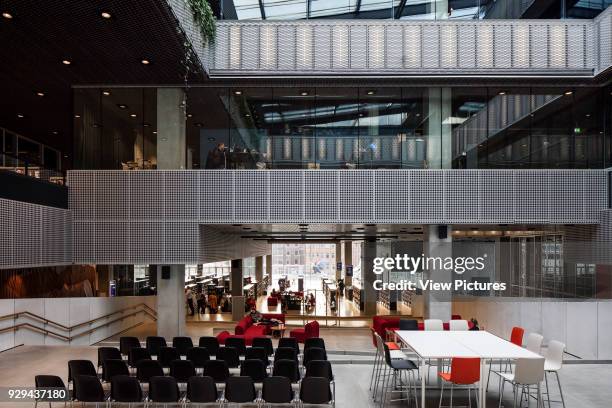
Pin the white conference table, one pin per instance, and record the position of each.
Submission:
(448, 344)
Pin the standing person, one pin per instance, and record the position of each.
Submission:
(189, 297)
(200, 301)
(217, 158)
(212, 302)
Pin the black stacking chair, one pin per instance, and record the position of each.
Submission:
(315, 390)
(128, 343)
(254, 369)
(182, 370)
(314, 353)
(229, 355)
(285, 353)
(167, 355)
(314, 342)
(321, 368)
(164, 390)
(145, 369)
(408, 324)
(287, 368)
(264, 342)
(217, 369)
(237, 343)
(198, 356)
(137, 354)
(125, 389)
(289, 342)
(202, 390)
(182, 344)
(108, 353)
(80, 367)
(210, 343)
(258, 353)
(113, 367)
(240, 390)
(48, 381)
(154, 344)
(277, 390)
(88, 388)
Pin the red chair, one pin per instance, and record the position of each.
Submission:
(516, 337)
(464, 371)
(272, 301)
(310, 330)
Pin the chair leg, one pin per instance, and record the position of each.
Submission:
(514, 387)
(470, 395)
(501, 392)
(441, 395)
(547, 389)
(560, 390)
(451, 405)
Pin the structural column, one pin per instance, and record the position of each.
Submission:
(439, 129)
(259, 269)
(269, 266)
(348, 262)
(236, 282)
(368, 276)
(171, 300)
(438, 244)
(171, 148)
(338, 260)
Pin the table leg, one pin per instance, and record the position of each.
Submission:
(423, 367)
(482, 388)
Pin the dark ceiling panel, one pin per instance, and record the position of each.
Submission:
(102, 51)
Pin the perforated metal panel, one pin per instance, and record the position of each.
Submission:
(251, 195)
(391, 196)
(216, 195)
(287, 195)
(506, 47)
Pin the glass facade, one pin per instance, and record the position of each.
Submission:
(411, 9)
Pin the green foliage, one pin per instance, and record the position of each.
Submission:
(204, 18)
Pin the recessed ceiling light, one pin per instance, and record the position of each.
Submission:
(155, 132)
(238, 92)
(304, 93)
(7, 15)
(247, 115)
(145, 62)
(55, 132)
(501, 93)
(20, 116)
(65, 156)
(122, 106)
(133, 115)
(371, 92)
(106, 93)
(164, 139)
(569, 92)
(77, 116)
(39, 93)
(106, 14)
(146, 124)
(211, 139)
(588, 115)
(189, 115)
(66, 62)
(95, 125)
(198, 124)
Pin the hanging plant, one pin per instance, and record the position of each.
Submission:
(204, 18)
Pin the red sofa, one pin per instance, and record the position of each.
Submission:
(309, 331)
(246, 328)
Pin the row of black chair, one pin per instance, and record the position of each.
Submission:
(154, 344)
(239, 390)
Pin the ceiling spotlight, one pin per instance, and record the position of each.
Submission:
(145, 62)
(55, 132)
(304, 93)
(247, 115)
(189, 115)
(155, 132)
(501, 93)
(371, 92)
(20, 116)
(7, 15)
(568, 93)
(66, 62)
(121, 105)
(133, 115)
(237, 92)
(198, 124)
(146, 124)
(77, 116)
(106, 14)
(106, 93)
(39, 93)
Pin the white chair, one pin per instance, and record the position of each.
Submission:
(433, 325)
(528, 372)
(534, 343)
(458, 325)
(552, 364)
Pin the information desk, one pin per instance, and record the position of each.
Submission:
(448, 344)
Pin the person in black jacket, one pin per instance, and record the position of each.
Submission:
(216, 157)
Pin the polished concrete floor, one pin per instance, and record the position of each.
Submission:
(585, 386)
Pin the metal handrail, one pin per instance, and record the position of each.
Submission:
(144, 309)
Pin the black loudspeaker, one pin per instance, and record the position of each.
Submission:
(442, 231)
(165, 272)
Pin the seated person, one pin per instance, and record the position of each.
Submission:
(256, 316)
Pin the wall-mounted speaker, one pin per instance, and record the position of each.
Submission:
(165, 273)
(442, 231)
